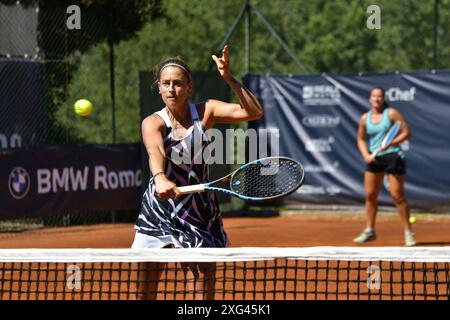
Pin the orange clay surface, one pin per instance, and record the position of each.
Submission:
(291, 229)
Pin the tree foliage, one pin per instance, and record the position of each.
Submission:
(61, 50)
(326, 36)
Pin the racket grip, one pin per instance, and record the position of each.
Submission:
(373, 155)
(192, 189)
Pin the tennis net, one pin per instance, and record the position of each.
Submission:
(319, 273)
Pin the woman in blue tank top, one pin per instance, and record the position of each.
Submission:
(390, 160)
(176, 142)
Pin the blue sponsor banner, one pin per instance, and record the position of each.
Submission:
(317, 119)
(40, 181)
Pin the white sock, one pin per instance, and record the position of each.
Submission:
(369, 230)
(408, 232)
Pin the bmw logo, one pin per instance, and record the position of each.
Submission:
(19, 182)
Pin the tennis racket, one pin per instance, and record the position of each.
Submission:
(262, 179)
(390, 135)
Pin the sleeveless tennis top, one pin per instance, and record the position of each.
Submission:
(376, 133)
(192, 220)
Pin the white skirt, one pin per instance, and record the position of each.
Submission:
(143, 241)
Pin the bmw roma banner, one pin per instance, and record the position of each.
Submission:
(41, 181)
(316, 119)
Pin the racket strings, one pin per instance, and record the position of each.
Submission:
(268, 178)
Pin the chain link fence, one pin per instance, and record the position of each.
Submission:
(41, 57)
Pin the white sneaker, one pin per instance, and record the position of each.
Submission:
(410, 239)
(365, 236)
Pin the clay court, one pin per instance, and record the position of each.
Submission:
(290, 229)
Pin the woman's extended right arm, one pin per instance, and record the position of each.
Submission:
(153, 129)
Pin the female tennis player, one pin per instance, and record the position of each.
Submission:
(389, 160)
(168, 219)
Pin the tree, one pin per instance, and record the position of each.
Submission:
(61, 49)
(326, 37)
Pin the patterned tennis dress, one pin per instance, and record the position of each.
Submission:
(192, 220)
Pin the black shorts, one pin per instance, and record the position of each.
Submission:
(390, 163)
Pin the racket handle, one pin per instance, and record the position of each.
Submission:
(192, 189)
(373, 155)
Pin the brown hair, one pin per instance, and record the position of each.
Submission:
(175, 62)
(378, 88)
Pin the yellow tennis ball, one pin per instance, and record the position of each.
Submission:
(412, 219)
(83, 107)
